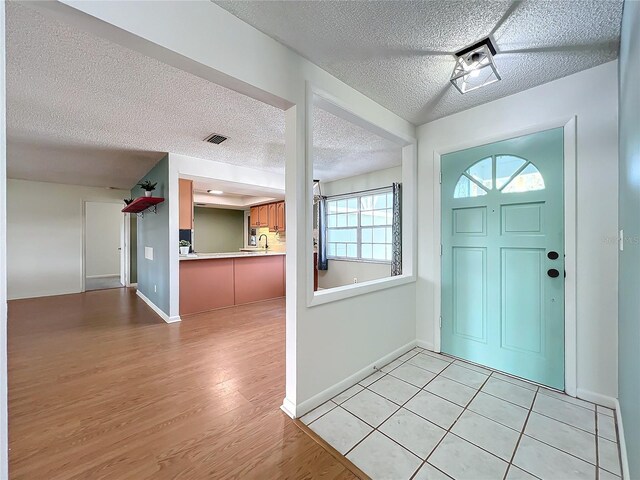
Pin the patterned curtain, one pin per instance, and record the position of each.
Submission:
(396, 229)
(323, 263)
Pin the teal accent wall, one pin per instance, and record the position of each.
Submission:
(153, 231)
(629, 220)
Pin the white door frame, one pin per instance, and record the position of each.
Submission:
(125, 238)
(570, 235)
(124, 243)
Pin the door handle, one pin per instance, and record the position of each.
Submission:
(553, 273)
(552, 255)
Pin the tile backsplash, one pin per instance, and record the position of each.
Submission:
(277, 241)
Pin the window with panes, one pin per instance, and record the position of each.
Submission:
(359, 226)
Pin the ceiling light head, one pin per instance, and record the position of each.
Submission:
(475, 67)
(215, 192)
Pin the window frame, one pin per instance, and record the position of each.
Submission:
(493, 187)
(358, 196)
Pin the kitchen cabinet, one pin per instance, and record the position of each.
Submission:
(263, 215)
(185, 200)
(254, 217)
(259, 216)
(276, 217)
(273, 217)
(270, 215)
(281, 218)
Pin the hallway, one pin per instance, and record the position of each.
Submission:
(100, 387)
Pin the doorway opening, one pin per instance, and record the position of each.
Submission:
(104, 246)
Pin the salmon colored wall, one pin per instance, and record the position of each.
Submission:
(206, 285)
(209, 284)
(259, 278)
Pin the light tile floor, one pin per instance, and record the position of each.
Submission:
(428, 416)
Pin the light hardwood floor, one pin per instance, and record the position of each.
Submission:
(100, 387)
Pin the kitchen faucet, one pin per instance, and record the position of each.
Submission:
(266, 240)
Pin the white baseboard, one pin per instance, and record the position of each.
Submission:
(132, 284)
(427, 345)
(103, 276)
(288, 407)
(597, 398)
(339, 387)
(156, 309)
(623, 444)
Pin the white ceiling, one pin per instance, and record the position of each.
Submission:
(399, 52)
(84, 111)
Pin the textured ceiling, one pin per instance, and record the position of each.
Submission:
(342, 149)
(399, 52)
(82, 110)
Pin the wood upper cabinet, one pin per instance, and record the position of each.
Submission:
(270, 215)
(280, 217)
(263, 215)
(273, 217)
(185, 194)
(254, 217)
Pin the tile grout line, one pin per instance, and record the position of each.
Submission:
(596, 465)
(403, 406)
(565, 423)
(384, 374)
(460, 363)
(524, 426)
(558, 448)
(597, 446)
(375, 429)
(594, 409)
(509, 401)
(615, 424)
(538, 390)
(464, 409)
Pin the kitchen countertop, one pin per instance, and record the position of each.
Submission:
(213, 256)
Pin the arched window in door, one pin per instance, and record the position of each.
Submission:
(505, 173)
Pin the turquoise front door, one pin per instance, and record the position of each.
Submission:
(503, 256)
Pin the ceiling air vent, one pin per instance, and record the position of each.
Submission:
(215, 138)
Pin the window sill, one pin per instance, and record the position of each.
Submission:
(359, 260)
(348, 291)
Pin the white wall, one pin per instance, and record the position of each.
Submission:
(44, 236)
(591, 97)
(343, 272)
(375, 179)
(103, 232)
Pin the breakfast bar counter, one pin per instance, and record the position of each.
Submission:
(218, 280)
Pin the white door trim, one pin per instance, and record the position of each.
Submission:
(570, 235)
